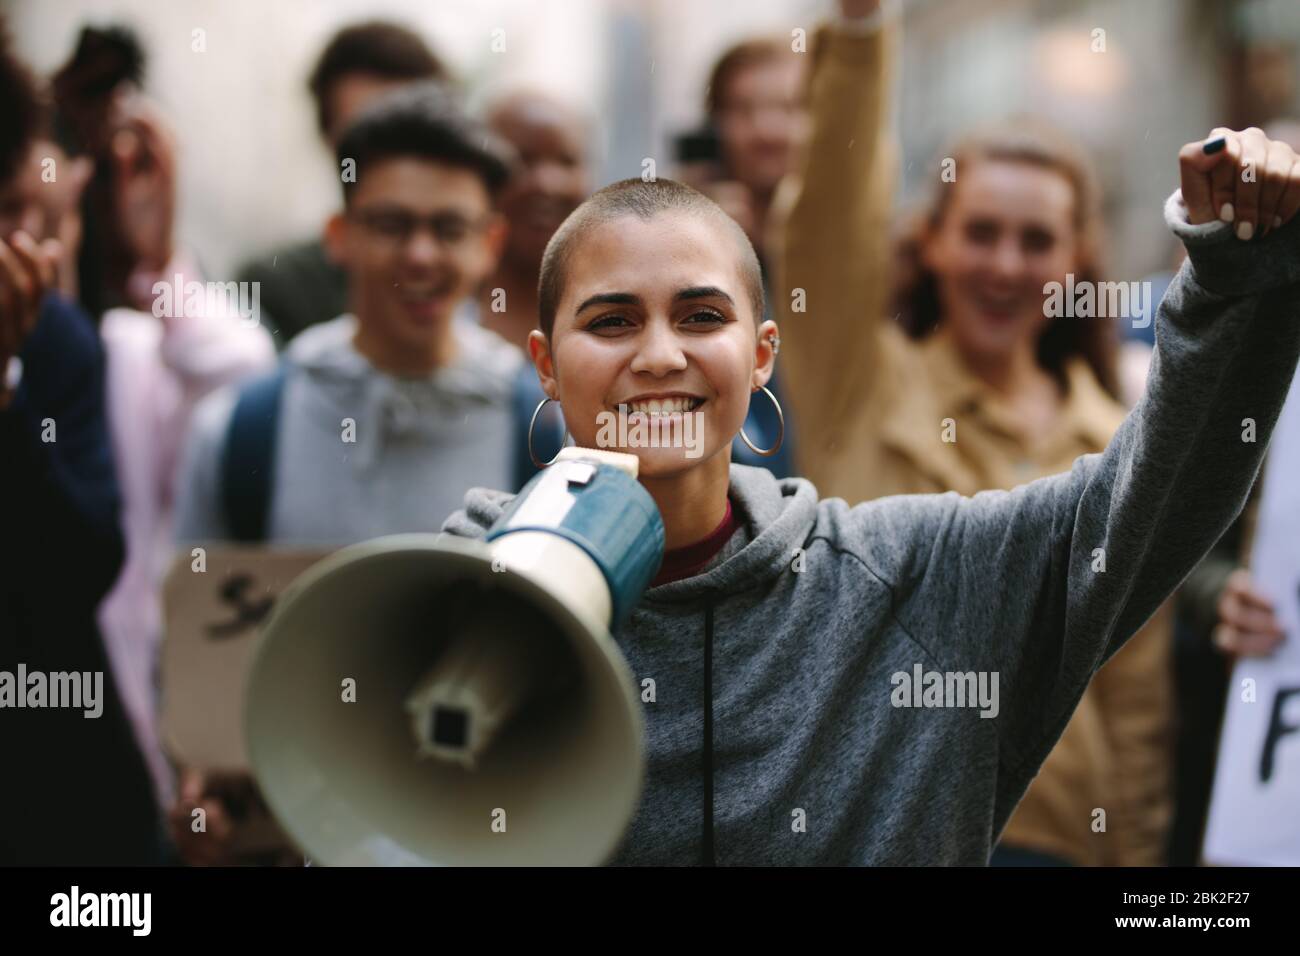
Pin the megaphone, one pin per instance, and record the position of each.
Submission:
(427, 699)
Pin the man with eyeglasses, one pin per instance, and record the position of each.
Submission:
(378, 421)
(385, 416)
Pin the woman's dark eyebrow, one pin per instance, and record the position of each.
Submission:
(703, 292)
(609, 298)
(627, 298)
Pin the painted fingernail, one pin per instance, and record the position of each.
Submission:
(1214, 145)
(1226, 212)
(1245, 230)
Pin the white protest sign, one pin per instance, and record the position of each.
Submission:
(1255, 806)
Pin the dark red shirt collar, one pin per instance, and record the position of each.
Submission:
(685, 562)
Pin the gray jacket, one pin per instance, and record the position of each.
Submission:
(815, 741)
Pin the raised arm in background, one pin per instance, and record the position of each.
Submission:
(832, 272)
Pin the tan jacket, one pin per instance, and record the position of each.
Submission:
(873, 408)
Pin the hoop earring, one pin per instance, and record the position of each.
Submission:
(780, 437)
(532, 454)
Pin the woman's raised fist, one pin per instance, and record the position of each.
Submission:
(1241, 177)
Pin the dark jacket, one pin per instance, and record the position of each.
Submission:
(76, 790)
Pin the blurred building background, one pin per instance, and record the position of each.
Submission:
(254, 172)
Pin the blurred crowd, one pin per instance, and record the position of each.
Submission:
(189, 418)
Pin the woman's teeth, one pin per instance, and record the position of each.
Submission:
(665, 406)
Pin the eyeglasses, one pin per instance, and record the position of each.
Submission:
(395, 227)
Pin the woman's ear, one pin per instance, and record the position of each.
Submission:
(539, 350)
(765, 351)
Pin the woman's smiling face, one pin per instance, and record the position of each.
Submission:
(654, 317)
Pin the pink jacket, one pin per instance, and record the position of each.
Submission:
(157, 369)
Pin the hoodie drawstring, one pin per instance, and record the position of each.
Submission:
(706, 843)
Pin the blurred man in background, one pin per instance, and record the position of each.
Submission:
(301, 284)
(380, 418)
(754, 103)
(377, 421)
(552, 178)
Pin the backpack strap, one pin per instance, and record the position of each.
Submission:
(248, 459)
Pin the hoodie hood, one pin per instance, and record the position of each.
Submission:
(485, 366)
(777, 516)
(391, 409)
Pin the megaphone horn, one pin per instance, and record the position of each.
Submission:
(493, 719)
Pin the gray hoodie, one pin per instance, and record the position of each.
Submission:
(361, 453)
(878, 684)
